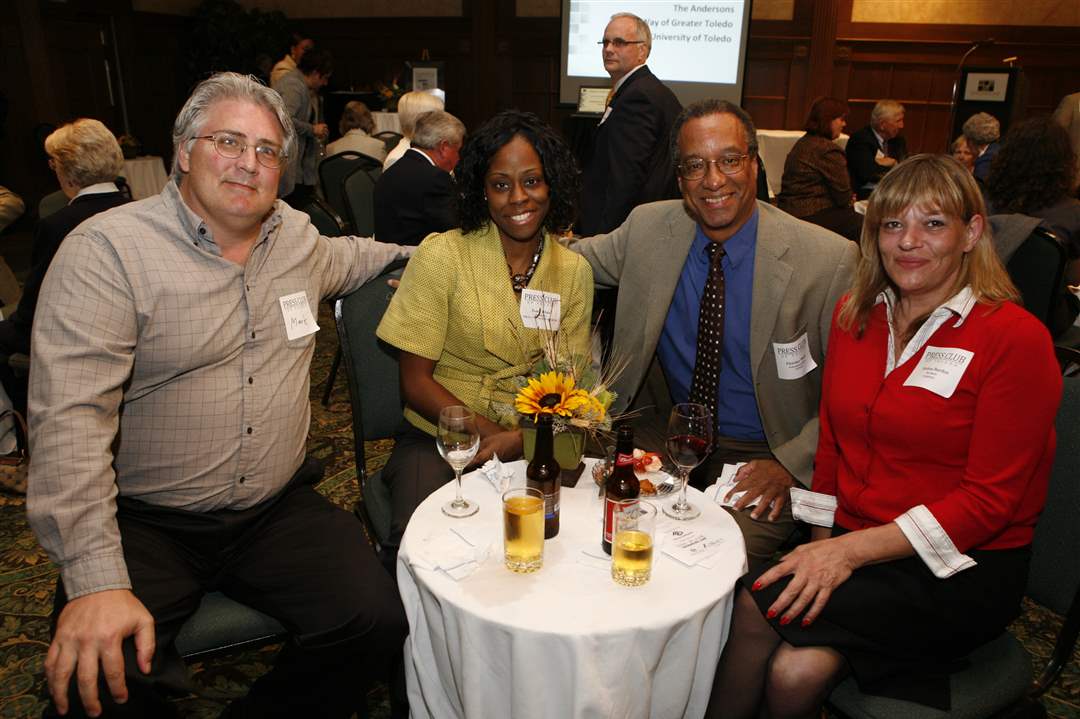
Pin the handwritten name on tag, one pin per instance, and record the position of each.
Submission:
(296, 312)
(940, 369)
(793, 359)
(541, 310)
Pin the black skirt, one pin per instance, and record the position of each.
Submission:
(901, 629)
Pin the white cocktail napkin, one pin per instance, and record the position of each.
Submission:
(498, 474)
(446, 549)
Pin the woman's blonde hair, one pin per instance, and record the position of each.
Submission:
(85, 152)
(934, 183)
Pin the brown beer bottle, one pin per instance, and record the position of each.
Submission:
(622, 483)
(543, 474)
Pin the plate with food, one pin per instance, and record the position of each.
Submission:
(654, 479)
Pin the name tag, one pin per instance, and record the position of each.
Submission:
(793, 359)
(940, 369)
(296, 312)
(540, 310)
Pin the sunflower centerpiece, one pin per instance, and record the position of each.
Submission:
(576, 397)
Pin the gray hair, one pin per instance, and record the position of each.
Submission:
(437, 126)
(227, 86)
(414, 104)
(86, 152)
(642, 27)
(704, 108)
(883, 110)
(981, 129)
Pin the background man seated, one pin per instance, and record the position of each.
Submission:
(169, 412)
(415, 196)
(86, 159)
(712, 288)
(876, 148)
(982, 132)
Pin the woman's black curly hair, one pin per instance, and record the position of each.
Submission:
(560, 169)
(1033, 169)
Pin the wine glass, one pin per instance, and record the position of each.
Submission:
(457, 440)
(689, 441)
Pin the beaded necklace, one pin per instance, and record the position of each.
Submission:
(519, 281)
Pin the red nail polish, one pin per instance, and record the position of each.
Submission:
(785, 620)
(771, 613)
(757, 585)
(806, 622)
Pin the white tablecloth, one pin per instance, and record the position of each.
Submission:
(774, 146)
(145, 176)
(386, 121)
(566, 641)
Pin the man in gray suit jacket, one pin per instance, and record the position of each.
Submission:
(783, 278)
(299, 89)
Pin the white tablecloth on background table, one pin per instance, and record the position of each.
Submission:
(145, 176)
(386, 121)
(774, 146)
(565, 641)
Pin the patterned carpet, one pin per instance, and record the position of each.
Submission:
(27, 579)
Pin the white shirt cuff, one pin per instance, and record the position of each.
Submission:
(931, 543)
(813, 507)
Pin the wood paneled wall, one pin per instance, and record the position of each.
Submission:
(497, 58)
(913, 63)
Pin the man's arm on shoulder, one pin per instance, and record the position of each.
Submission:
(797, 454)
(82, 354)
(605, 253)
(348, 262)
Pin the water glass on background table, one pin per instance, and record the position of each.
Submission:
(632, 542)
(523, 529)
(457, 440)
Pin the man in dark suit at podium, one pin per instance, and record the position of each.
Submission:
(631, 158)
(415, 196)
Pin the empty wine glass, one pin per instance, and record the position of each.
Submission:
(457, 440)
(688, 444)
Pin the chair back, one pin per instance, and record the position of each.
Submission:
(332, 173)
(326, 221)
(1037, 268)
(374, 391)
(389, 138)
(51, 203)
(1054, 576)
(359, 189)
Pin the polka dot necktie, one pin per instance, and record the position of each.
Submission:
(710, 333)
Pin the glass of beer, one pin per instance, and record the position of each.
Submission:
(523, 529)
(632, 542)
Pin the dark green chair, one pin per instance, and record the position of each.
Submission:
(222, 625)
(359, 189)
(332, 173)
(389, 138)
(998, 682)
(372, 368)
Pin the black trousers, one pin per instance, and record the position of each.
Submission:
(415, 470)
(295, 557)
(14, 340)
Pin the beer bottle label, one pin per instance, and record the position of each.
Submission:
(624, 459)
(551, 504)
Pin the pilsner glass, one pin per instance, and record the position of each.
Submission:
(632, 542)
(523, 529)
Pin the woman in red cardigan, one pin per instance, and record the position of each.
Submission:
(936, 442)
